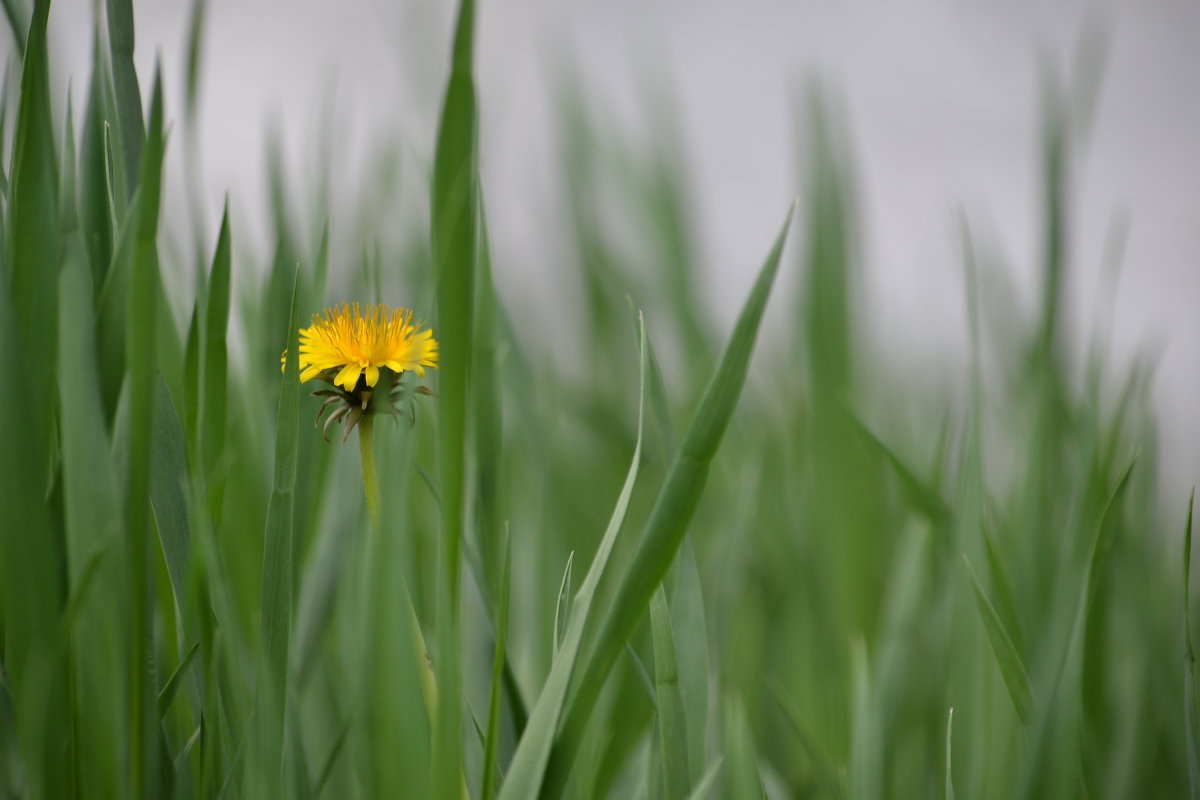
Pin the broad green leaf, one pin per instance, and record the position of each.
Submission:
(691, 644)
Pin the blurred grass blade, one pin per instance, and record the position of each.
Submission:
(1189, 679)
(130, 133)
(454, 218)
(673, 508)
(562, 608)
(672, 728)
(499, 659)
(1016, 678)
(277, 589)
(167, 694)
(141, 357)
(528, 767)
(690, 630)
(212, 435)
(949, 761)
(168, 476)
(705, 784)
(32, 238)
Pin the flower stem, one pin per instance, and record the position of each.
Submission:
(371, 488)
(366, 427)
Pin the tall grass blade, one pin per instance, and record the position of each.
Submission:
(214, 374)
(168, 477)
(454, 213)
(277, 588)
(130, 133)
(141, 357)
(527, 770)
(673, 509)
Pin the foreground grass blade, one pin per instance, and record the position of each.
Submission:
(141, 357)
(125, 82)
(672, 729)
(168, 476)
(454, 221)
(526, 773)
(673, 509)
(276, 617)
(1189, 678)
(32, 238)
(1016, 678)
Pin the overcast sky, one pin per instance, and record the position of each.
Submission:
(941, 97)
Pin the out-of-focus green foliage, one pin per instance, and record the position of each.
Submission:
(788, 598)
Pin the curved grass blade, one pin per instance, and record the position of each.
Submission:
(528, 767)
(1012, 668)
(562, 608)
(673, 509)
(949, 741)
(167, 693)
(214, 375)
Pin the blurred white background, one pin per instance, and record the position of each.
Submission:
(941, 98)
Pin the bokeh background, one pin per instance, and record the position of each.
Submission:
(941, 102)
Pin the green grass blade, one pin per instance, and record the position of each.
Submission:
(672, 728)
(1190, 710)
(1012, 668)
(949, 795)
(14, 12)
(691, 643)
(214, 375)
(32, 238)
(130, 132)
(705, 784)
(454, 211)
(562, 608)
(528, 767)
(674, 506)
(195, 40)
(499, 659)
(141, 358)
(277, 589)
(167, 693)
(168, 477)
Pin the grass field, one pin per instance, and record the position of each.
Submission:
(691, 568)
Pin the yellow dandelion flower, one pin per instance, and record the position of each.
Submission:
(345, 343)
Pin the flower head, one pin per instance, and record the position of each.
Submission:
(345, 342)
(352, 352)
